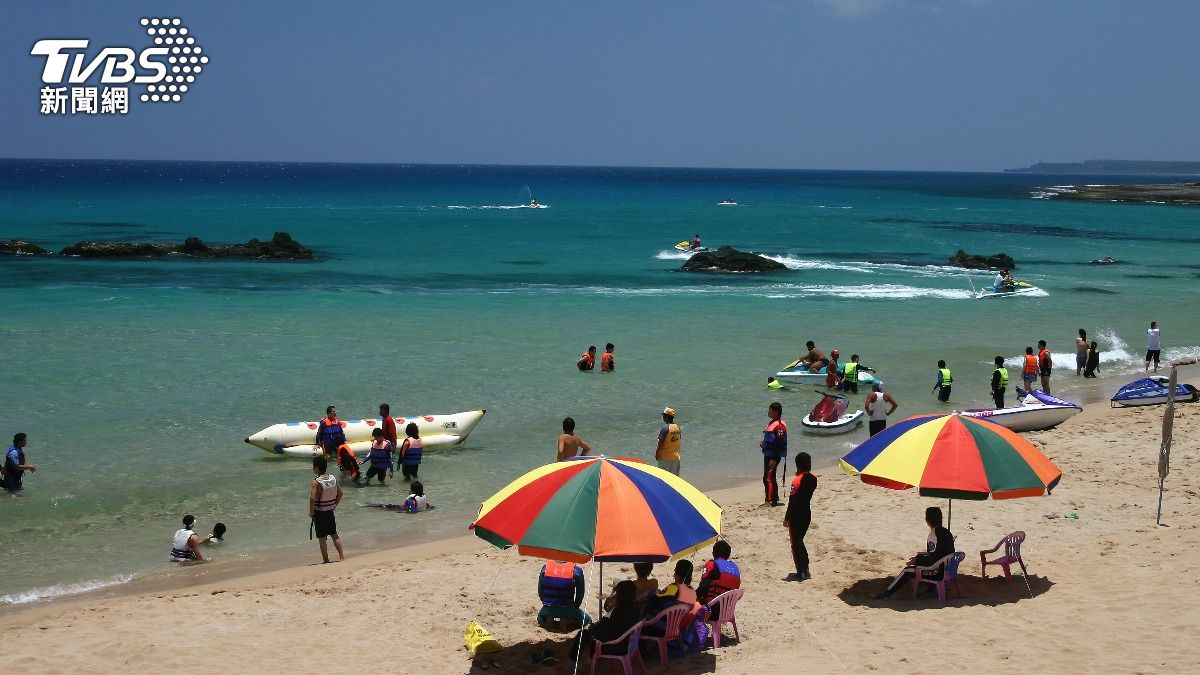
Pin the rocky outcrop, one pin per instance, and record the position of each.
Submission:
(978, 262)
(21, 247)
(1173, 193)
(729, 259)
(280, 247)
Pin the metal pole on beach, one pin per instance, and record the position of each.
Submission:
(1164, 450)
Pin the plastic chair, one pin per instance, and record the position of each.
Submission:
(1012, 554)
(631, 654)
(721, 611)
(673, 616)
(949, 566)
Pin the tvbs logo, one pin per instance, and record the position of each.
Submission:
(167, 69)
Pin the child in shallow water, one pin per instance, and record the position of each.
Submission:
(417, 501)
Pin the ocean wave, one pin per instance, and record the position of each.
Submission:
(1113, 350)
(59, 590)
(782, 290)
(673, 254)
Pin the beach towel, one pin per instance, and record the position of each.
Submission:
(479, 640)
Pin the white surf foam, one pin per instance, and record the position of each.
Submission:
(673, 254)
(59, 590)
(1113, 350)
(499, 206)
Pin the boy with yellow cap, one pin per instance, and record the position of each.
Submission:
(667, 452)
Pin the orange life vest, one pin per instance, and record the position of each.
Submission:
(606, 361)
(1031, 364)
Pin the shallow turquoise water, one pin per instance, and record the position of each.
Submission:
(137, 380)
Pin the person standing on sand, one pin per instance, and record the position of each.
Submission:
(1153, 345)
(1000, 382)
(570, 445)
(323, 497)
(877, 401)
(330, 434)
(942, 385)
(15, 464)
(1045, 365)
(667, 451)
(774, 450)
(1081, 349)
(608, 362)
(799, 514)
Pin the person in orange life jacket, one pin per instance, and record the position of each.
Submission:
(1029, 369)
(185, 547)
(388, 424)
(323, 497)
(799, 515)
(587, 360)
(679, 591)
(330, 434)
(608, 362)
(348, 463)
(561, 589)
(667, 450)
(999, 382)
(720, 574)
(1045, 365)
(774, 450)
(831, 370)
(938, 545)
(417, 501)
(942, 385)
(627, 611)
(411, 451)
(380, 457)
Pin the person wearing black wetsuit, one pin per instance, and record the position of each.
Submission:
(799, 514)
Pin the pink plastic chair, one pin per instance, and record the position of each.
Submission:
(1012, 554)
(721, 611)
(673, 615)
(949, 566)
(631, 652)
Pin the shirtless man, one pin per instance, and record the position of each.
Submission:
(815, 358)
(570, 445)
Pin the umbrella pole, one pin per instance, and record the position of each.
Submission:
(949, 512)
(600, 595)
(1158, 520)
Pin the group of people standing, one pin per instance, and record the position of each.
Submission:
(332, 441)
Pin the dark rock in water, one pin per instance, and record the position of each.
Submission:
(729, 259)
(1106, 260)
(1093, 289)
(978, 262)
(281, 247)
(21, 247)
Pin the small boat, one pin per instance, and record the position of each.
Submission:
(830, 416)
(686, 247)
(1153, 390)
(1021, 288)
(1034, 411)
(1106, 260)
(798, 372)
(297, 439)
(727, 202)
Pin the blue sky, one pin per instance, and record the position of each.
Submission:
(823, 84)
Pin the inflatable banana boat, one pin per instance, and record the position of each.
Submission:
(297, 439)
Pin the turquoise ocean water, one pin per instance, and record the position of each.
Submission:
(137, 380)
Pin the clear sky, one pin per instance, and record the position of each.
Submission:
(822, 84)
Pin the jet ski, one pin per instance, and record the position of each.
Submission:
(830, 416)
(1034, 411)
(797, 371)
(686, 247)
(1020, 288)
(1153, 390)
(727, 202)
(1106, 260)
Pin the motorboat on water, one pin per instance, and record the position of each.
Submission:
(297, 439)
(1034, 411)
(831, 416)
(1020, 288)
(1153, 390)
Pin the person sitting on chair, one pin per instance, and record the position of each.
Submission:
(561, 589)
(626, 613)
(939, 545)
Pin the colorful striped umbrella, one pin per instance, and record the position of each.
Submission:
(954, 457)
(598, 508)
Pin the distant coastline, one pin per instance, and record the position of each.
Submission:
(1123, 167)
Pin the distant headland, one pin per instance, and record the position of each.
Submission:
(1124, 167)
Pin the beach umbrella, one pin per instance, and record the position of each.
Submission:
(953, 457)
(602, 509)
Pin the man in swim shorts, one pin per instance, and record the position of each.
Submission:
(815, 358)
(1153, 345)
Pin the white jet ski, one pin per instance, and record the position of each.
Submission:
(298, 439)
(1034, 411)
(797, 372)
(831, 416)
(1021, 288)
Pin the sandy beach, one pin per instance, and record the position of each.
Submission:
(1109, 591)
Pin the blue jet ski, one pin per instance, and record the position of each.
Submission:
(1153, 391)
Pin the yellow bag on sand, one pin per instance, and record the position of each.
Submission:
(479, 640)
